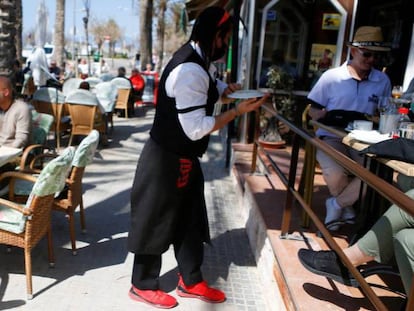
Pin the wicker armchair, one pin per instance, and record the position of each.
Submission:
(50, 100)
(25, 225)
(42, 122)
(123, 101)
(86, 114)
(71, 197)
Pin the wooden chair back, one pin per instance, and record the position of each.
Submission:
(50, 100)
(85, 114)
(83, 118)
(122, 100)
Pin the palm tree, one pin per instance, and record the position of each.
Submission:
(145, 27)
(8, 20)
(59, 36)
(162, 7)
(19, 29)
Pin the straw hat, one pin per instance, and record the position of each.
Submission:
(370, 38)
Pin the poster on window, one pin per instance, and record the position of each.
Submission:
(331, 21)
(322, 56)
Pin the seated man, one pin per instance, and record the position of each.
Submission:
(54, 70)
(15, 122)
(391, 236)
(353, 88)
(15, 117)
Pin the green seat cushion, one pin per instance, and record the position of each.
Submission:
(11, 220)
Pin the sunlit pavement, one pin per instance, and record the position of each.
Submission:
(98, 278)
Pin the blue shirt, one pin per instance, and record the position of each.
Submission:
(338, 90)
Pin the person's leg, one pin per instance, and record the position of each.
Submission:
(344, 190)
(335, 176)
(189, 254)
(377, 244)
(192, 231)
(146, 271)
(404, 255)
(378, 241)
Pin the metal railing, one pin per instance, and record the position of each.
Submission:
(385, 189)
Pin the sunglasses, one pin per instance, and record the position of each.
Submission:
(367, 54)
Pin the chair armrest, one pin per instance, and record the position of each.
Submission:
(15, 206)
(40, 157)
(13, 176)
(27, 152)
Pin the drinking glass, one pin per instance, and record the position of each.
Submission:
(384, 104)
(397, 91)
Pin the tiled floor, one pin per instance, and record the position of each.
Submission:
(301, 289)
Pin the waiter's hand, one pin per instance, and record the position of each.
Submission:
(232, 87)
(251, 104)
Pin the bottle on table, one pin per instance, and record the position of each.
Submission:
(403, 121)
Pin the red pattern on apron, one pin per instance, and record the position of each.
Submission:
(186, 166)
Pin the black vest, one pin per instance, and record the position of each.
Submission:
(166, 129)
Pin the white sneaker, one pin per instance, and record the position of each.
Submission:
(348, 215)
(333, 214)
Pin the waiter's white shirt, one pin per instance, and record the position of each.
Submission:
(188, 83)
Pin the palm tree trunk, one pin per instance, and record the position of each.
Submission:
(146, 9)
(19, 30)
(8, 22)
(162, 7)
(59, 36)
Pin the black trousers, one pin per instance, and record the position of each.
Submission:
(189, 253)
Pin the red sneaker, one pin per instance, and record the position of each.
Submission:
(200, 290)
(155, 298)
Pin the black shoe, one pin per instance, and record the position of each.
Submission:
(326, 263)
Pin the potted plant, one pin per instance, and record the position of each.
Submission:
(281, 83)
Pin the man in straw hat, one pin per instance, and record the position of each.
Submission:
(348, 92)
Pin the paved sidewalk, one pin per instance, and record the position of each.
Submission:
(98, 278)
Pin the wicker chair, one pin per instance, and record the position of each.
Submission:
(123, 101)
(107, 94)
(50, 101)
(25, 225)
(41, 124)
(86, 114)
(71, 197)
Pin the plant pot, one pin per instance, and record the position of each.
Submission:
(272, 144)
